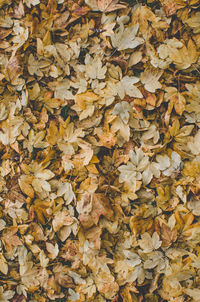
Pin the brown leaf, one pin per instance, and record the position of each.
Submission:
(63, 279)
(100, 206)
(109, 5)
(19, 11)
(62, 21)
(40, 208)
(9, 238)
(168, 236)
(107, 139)
(169, 7)
(19, 298)
(43, 119)
(94, 235)
(13, 69)
(25, 186)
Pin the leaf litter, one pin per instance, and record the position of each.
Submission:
(100, 150)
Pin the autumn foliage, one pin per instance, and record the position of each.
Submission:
(100, 150)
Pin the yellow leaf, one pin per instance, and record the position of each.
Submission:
(3, 265)
(84, 98)
(40, 208)
(52, 133)
(174, 128)
(25, 185)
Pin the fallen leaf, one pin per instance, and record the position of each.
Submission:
(168, 236)
(99, 206)
(109, 5)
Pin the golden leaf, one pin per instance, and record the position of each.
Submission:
(100, 205)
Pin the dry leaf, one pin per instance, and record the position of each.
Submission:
(10, 239)
(109, 5)
(168, 236)
(99, 205)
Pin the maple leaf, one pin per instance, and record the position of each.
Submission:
(122, 109)
(9, 238)
(168, 236)
(34, 66)
(88, 288)
(151, 170)
(155, 259)
(25, 185)
(151, 133)
(5, 296)
(194, 206)
(94, 67)
(31, 2)
(85, 155)
(3, 265)
(194, 22)
(61, 89)
(169, 7)
(126, 86)
(148, 243)
(96, 204)
(193, 293)
(184, 57)
(62, 219)
(35, 140)
(85, 104)
(62, 54)
(176, 99)
(150, 79)
(107, 139)
(73, 296)
(41, 209)
(13, 71)
(122, 129)
(106, 284)
(3, 112)
(53, 250)
(109, 5)
(194, 144)
(134, 168)
(66, 190)
(125, 38)
(168, 166)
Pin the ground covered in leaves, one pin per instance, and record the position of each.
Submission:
(100, 150)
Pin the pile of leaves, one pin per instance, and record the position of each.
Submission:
(100, 150)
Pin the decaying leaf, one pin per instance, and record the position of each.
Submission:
(91, 207)
(10, 239)
(99, 150)
(168, 236)
(150, 80)
(126, 38)
(109, 5)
